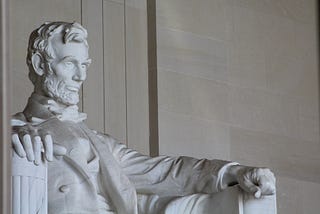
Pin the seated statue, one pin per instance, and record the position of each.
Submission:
(90, 172)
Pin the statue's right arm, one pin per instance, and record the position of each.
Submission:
(28, 141)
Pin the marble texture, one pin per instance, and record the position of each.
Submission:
(188, 95)
(191, 54)
(212, 136)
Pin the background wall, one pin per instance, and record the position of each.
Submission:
(238, 79)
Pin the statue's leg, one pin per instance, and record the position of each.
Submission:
(152, 204)
(192, 204)
(218, 203)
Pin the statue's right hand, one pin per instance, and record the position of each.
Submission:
(27, 142)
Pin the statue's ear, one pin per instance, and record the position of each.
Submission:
(37, 63)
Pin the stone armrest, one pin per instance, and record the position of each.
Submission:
(29, 186)
(234, 200)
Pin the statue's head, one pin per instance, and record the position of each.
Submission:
(58, 60)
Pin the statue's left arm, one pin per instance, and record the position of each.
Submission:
(185, 175)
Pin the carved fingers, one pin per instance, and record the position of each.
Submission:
(17, 145)
(28, 148)
(48, 147)
(37, 144)
(21, 141)
(258, 181)
(28, 142)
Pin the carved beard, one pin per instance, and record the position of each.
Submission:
(57, 89)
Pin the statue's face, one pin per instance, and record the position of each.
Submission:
(68, 70)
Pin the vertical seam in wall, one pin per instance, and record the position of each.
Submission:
(81, 12)
(317, 8)
(103, 70)
(152, 79)
(125, 65)
(81, 17)
(5, 101)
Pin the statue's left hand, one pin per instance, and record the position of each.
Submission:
(254, 180)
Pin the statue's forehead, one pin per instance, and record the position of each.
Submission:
(69, 49)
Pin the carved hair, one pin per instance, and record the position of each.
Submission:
(39, 41)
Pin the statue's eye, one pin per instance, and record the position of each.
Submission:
(69, 65)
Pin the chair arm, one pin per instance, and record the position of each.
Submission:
(234, 200)
(29, 186)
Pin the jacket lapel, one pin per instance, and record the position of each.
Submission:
(121, 190)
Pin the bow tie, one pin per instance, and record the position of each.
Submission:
(66, 113)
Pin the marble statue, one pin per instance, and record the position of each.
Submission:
(90, 172)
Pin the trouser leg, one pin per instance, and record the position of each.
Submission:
(194, 204)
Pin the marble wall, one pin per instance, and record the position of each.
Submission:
(238, 79)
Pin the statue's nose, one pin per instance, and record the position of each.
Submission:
(80, 75)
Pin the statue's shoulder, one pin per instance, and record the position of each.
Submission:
(18, 119)
(104, 137)
(19, 116)
(112, 142)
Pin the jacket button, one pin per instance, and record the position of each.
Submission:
(64, 189)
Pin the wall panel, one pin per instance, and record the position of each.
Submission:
(93, 87)
(137, 75)
(114, 69)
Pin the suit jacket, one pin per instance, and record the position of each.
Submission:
(125, 174)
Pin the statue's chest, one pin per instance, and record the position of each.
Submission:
(80, 149)
(74, 139)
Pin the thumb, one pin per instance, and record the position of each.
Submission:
(256, 191)
(247, 185)
(253, 189)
